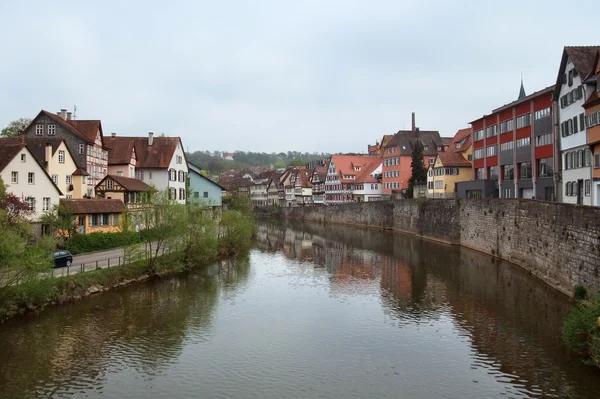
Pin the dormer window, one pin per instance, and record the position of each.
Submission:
(357, 168)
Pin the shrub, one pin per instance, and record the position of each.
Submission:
(236, 232)
(580, 292)
(101, 241)
(580, 329)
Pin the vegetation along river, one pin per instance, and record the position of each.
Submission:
(311, 312)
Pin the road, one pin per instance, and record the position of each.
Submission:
(101, 259)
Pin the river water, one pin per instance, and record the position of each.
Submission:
(311, 312)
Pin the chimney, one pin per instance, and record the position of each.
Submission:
(113, 134)
(150, 138)
(413, 122)
(63, 114)
(48, 155)
(69, 115)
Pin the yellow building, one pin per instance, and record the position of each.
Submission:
(450, 167)
(96, 215)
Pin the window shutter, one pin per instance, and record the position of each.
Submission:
(581, 121)
(575, 125)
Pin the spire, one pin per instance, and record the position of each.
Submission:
(522, 91)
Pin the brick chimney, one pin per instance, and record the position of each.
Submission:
(414, 127)
(150, 138)
(47, 155)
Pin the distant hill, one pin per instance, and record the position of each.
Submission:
(214, 163)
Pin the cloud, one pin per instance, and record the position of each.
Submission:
(277, 75)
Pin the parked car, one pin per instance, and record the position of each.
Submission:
(62, 258)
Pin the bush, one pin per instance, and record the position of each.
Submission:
(581, 332)
(81, 243)
(236, 232)
(580, 293)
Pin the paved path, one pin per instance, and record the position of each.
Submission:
(101, 259)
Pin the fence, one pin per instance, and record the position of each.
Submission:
(103, 263)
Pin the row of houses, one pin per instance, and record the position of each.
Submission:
(57, 158)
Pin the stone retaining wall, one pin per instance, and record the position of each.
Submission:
(559, 243)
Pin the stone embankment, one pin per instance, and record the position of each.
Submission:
(559, 243)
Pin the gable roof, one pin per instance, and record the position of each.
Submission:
(128, 183)
(405, 140)
(345, 164)
(453, 159)
(89, 128)
(462, 134)
(582, 57)
(10, 147)
(157, 155)
(94, 205)
(446, 141)
(37, 147)
(121, 149)
(194, 169)
(84, 129)
(321, 171)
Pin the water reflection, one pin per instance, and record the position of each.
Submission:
(314, 311)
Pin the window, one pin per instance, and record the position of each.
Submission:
(545, 167)
(490, 131)
(570, 74)
(588, 188)
(491, 150)
(509, 172)
(544, 139)
(430, 173)
(140, 175)
(506, 193)
(119, 173)
(588, 157)
(507, 146)
(460, 143)
(543, 113)
(592, 119)
(431, 161)
(580, 161)
(181, 176)
(478, 135)
(81, 148)
(31, 178)
(575, 130)
(69, 179)
(493, 172)
(39, 130)
(68, 196)
(110, 184)
(474, 194)
(61, 156)
(581, 121)
(115, 219)
(506, 126)
(182, 193)
(55, 179)
(523, 121)
(14, 177)
(172, 175)
(172, 194)
(478, 154)
(569, 189)
(479, 174)
(596, 160)
(30, 202)
(51, 130)
(523, 142)
(439, 184)
(45, 204)
(23, 158)
(525, 169)
(205, 194)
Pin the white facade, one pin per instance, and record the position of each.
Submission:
(576, 158)
(174, 178)
(258, 193)
(60, 168)
(26, 179)
(336, 192)
(368, 191)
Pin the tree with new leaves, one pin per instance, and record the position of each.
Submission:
(417, 165)
(15, 127)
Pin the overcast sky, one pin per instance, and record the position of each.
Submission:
(276, 75)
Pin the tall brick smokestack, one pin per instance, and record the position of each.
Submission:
(414, 127)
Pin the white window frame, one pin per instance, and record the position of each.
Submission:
(81, 149)
(14, 177)
(55, 179)
(45, 204)
(69, 179)
(31, 178)
(61, 156)
(39, 129)
(51, 130)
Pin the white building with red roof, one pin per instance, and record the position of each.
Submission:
(353, 178)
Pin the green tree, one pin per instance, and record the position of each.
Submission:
(62, 222)
(419, 173)
(279, 165)
(297, 162)
(15, 127)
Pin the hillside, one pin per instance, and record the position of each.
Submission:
(214, 163)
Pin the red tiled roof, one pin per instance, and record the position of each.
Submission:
(453, 159)
(345, 165)
(462, 134)
(158, 155)
(121, 149)
(89, 128)
(593, 100)
(95, 205)
(304, 176)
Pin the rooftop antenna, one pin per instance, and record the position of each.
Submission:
(74, 111)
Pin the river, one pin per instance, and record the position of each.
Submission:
(311, 312)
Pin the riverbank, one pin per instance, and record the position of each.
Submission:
(34, 295)
(558, 243)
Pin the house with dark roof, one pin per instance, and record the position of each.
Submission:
(56, 158)
(571, 91)
(397, 155)
(202, 190)
(317, 180)
(96, 215)
(82, 137)
(273, 189)
(26, 178)
(450, 167)
(134, 193)
(160, 162)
